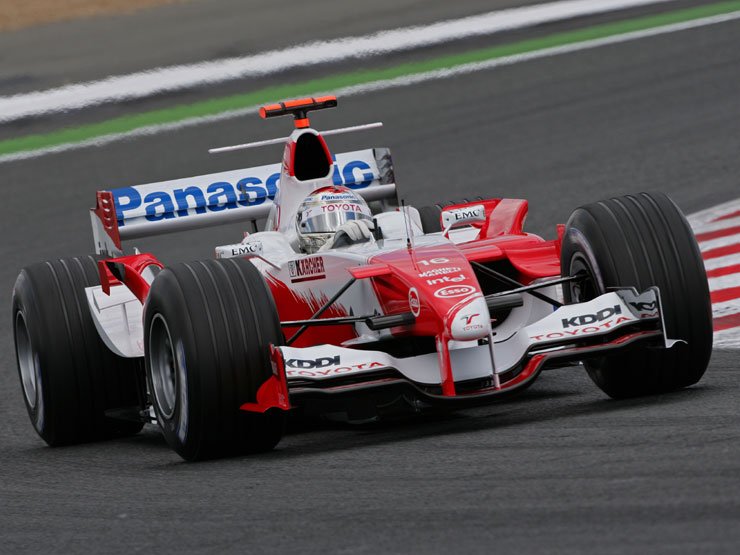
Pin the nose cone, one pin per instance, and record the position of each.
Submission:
(447, 298)
(469, 319)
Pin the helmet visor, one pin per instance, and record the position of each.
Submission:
(329, 217)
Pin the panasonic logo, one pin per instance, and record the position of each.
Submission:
(173, 201)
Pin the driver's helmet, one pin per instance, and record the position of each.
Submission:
(322, 213)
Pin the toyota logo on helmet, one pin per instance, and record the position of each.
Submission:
(322, 213)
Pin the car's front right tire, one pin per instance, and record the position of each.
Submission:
(208, 330)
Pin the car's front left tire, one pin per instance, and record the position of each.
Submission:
(642, 241)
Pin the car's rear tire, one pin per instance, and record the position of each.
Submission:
(640, 241)
(208, 327)
(68, 375)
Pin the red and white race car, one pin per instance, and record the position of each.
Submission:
(440, 307)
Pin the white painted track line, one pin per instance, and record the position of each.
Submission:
(726, 308)
(722, 261)
(719, 242)
(381, 85)
(716, 216)
(724, 282)
(715, 226)
(726, 339)
(148, 83)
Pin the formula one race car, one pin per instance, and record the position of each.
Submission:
(346, 304)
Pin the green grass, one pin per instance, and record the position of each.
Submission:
(216, 106)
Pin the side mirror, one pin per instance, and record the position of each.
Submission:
(462, 216)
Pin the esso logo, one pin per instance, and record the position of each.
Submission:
(455, 291)
(414, 302)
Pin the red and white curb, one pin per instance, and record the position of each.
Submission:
(717, 230)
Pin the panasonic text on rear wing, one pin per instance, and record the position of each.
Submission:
(220, 198)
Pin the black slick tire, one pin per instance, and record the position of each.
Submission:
(68, 375)
(640, 241)
(208, 327)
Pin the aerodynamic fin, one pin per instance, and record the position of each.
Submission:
(298, 108)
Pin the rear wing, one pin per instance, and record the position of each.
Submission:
(220, 198)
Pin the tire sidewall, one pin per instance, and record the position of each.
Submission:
(170, 306)
(578, 251)
(24, 304)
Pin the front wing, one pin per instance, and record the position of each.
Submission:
(481, 371)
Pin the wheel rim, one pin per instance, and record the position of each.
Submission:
(164, 367)
(585, 288)
(27, 361)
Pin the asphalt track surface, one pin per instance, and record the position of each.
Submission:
(562, 469)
